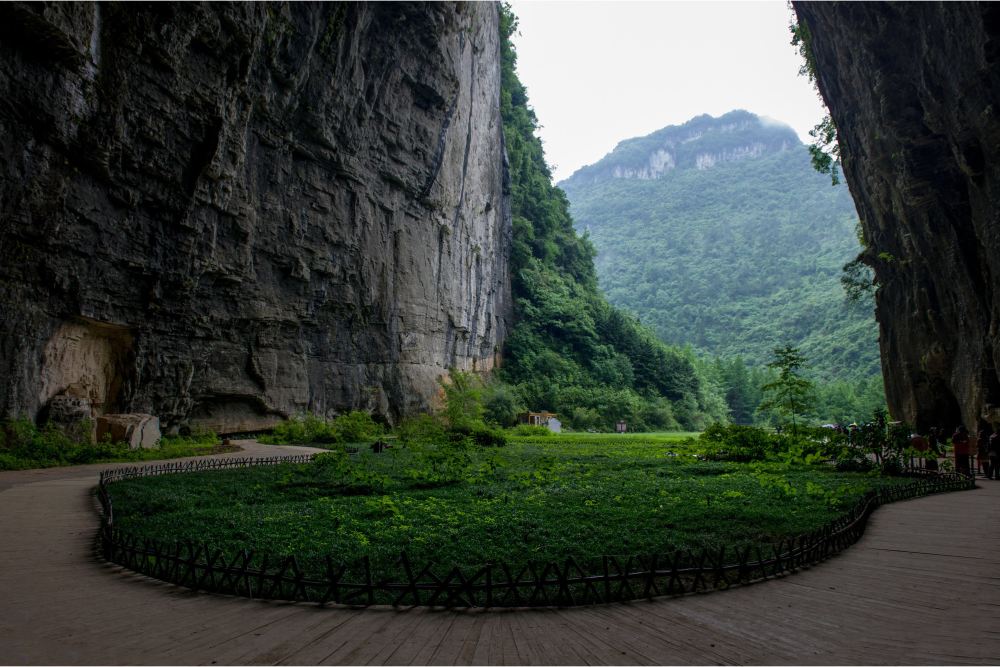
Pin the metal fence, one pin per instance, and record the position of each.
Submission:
(569, 582)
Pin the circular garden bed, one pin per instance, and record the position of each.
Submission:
(562, 522)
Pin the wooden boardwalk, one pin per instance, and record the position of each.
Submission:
(921, 587)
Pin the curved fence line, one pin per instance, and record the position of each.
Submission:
(129, 472)
(570, 582)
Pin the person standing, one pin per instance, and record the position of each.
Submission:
(994, 457)
(983, 450)
(960, 441)
(920, 444)
(934, 448)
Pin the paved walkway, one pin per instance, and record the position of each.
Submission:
(922, 587)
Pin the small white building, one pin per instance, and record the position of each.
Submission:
(554, 425)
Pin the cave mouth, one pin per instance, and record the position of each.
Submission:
(228, 414)
(942, 408)
(86, 366)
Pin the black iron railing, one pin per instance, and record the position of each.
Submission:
(569, 582)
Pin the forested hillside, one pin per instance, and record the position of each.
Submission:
(720, 234)
(570, 351)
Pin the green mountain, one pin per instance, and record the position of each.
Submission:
(719, 234)
(569, 350)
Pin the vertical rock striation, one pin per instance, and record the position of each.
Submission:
(914, 89)
(222, 214)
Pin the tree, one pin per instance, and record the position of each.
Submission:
(742, 394)
(463, 400)
(501, 404)
(789, 394)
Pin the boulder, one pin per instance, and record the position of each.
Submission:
(136, 430)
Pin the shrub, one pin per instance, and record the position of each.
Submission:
(477, 434)
(11, 462)
(658, 414)
(421, 430)
(435, 456)
(583, 419)
(489, 437)
(877, 443)
(343, 475)
(501, 404)
(193, 439)
(530, 431)
(302, 429)
(310, 429)
(24, 445)
(27, 446)
(463, 400)
(733, 442)
(356, 426)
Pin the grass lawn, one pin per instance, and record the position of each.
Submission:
(538, 499)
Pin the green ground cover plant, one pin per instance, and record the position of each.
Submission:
(24, 445)
(309, 429)
(540, 498)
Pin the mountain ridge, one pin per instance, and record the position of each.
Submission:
(700, 143)
(733, 257)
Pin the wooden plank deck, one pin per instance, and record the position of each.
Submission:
(921, 587)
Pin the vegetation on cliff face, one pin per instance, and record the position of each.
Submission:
(570, 351)
(825, 149)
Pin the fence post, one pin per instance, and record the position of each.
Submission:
(368, 580)
(489, 584)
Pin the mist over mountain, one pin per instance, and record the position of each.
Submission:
(719, 234)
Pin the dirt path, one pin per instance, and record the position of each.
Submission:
(922, 587)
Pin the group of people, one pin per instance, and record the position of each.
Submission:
(985, 446)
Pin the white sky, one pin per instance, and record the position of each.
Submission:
(600, 72)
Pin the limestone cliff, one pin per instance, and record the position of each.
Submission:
(914, 89)
(701, 143)
(223, 214)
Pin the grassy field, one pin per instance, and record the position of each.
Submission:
(610, 439)
(538, 499)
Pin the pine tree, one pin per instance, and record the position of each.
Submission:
(789, 394)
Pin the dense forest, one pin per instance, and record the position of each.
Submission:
(570, 351)
(721, 236)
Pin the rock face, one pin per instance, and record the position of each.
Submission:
(223, 214)
(914, 89)
(701, 143)
(135, 430)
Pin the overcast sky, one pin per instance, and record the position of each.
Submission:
(600, 72)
